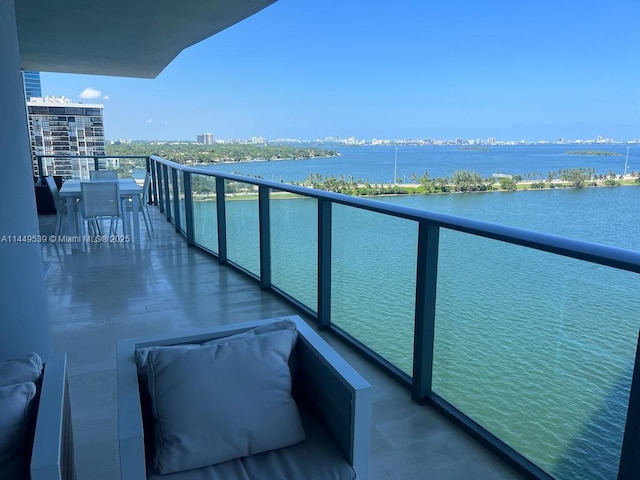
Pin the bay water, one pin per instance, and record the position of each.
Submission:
(378, 163)
(536, 348)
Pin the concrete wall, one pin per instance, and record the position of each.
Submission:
(24, 324)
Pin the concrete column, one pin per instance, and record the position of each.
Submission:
(24, 323)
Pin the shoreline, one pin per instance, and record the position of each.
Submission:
(255, 160)
(526, 187)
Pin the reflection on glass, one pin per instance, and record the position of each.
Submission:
(373, 281)
(538, 349)
(243, 234)
(294, 246)
(205, 213)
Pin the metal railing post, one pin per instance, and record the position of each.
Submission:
(188, 208)
(222, 220)
(629, 468)
(159, 188)
(324, 263)
(96, 163)
(165, 193)
(40, 169)
(425, 313)
(153, 194)
(265, 236)
(176, 199)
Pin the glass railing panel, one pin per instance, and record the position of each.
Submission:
(373, 281)
(181, 205)
(48, 167)
(68, 167)
(243, 230)
(110, 163)
(294, 246)
(538, 349)
(127, 167)
(78, 167)
(205, 213)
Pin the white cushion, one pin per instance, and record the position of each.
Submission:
(222, 401)
(20, 370)
(142, 353)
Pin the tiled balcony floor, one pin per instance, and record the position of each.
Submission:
(113, 291)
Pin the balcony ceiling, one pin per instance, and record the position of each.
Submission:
(129, 38)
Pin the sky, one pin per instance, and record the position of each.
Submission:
(531, 70)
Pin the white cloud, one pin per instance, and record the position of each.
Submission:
(89, 93)
(105, 97)
(150, 120)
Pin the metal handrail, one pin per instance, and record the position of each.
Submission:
(592, 252)
(96, 159)
(430, 224)
(90, 156)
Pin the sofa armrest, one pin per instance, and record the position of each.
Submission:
(339, 395)
(130, 431)
(52, 456)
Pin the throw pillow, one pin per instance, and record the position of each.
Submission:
(142, 353)
(222, 401)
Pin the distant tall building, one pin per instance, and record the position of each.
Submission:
(59, 127)
(205, 139)
(32, 87)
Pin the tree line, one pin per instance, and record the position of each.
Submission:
(464, 181)
(196, 154)
(460, 182)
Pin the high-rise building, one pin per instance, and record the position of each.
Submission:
(32, 87)
(205, 138)
(62, 128)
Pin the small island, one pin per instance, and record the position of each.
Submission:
(594, 153)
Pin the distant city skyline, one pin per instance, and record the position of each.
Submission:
(377, 70)
(209, 140)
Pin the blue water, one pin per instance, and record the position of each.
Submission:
(377, 164)
(536, 348)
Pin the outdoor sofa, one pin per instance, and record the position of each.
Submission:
(180, 417)
(36, 435)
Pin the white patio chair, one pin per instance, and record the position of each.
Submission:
(143, 204)
(103, 175)
(58, 201)
(100, 200)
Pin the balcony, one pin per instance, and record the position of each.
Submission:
(118, 291)
(251, 239)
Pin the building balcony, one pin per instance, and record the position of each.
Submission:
(114, 291)
(468, 382)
